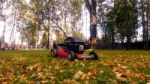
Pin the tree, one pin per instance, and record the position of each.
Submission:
(44, 41)
(111, 28)
(91, 6)
(65, 16)
(36, 14)
(75, 10)
(29, 34)
(46, 16)
(145, 8)
(13, 22)
(124, 19)
(105, 22)
(4, 5)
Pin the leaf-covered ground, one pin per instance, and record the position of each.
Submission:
(114, 67)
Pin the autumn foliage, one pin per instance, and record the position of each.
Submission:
(38, 67)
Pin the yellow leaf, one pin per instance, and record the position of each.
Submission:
(61, 71)
(82, 64)
(44, 81)
(23, 77)
(148, 82)
(78, 74)
(89, 74)
(123, 67)
(118, 75)
(83, 76)
(67, 81)
(33, 75)
(41, 75)
(76, 60)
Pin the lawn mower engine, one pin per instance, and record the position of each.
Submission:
(73, 48)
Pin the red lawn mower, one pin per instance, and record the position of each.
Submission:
(73, 48)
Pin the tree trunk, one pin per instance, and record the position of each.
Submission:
(3, 36)
(91, 6)
(147, 25)
(37, 27)
(143, 25)
(22, 42)
(37, 31)
(128, 42)
(12, 31)
(36, 44)
(122, 42)
(113, 39)
(48, 43)
(126, 26)
(48, 36)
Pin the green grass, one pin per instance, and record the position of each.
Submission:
(37, 66)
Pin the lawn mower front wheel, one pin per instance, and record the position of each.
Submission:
(71, 56)
(94, 55)
(54, 53)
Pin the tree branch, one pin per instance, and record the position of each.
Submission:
(88, 5)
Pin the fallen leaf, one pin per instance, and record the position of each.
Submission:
(78, 74)
(1, 75)
(83, 76)
(82, 64)
(67, 81)
(5, 82)
(61, 71)
(23, 77)
(44, 81)
(41, 75)
(118, 75)
(33, 75)
(123, 67)
(148, 82)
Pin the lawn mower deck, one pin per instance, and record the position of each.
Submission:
(73, 48)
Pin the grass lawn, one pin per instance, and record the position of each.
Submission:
(114, 67)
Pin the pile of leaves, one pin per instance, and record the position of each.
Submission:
(38, 67)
